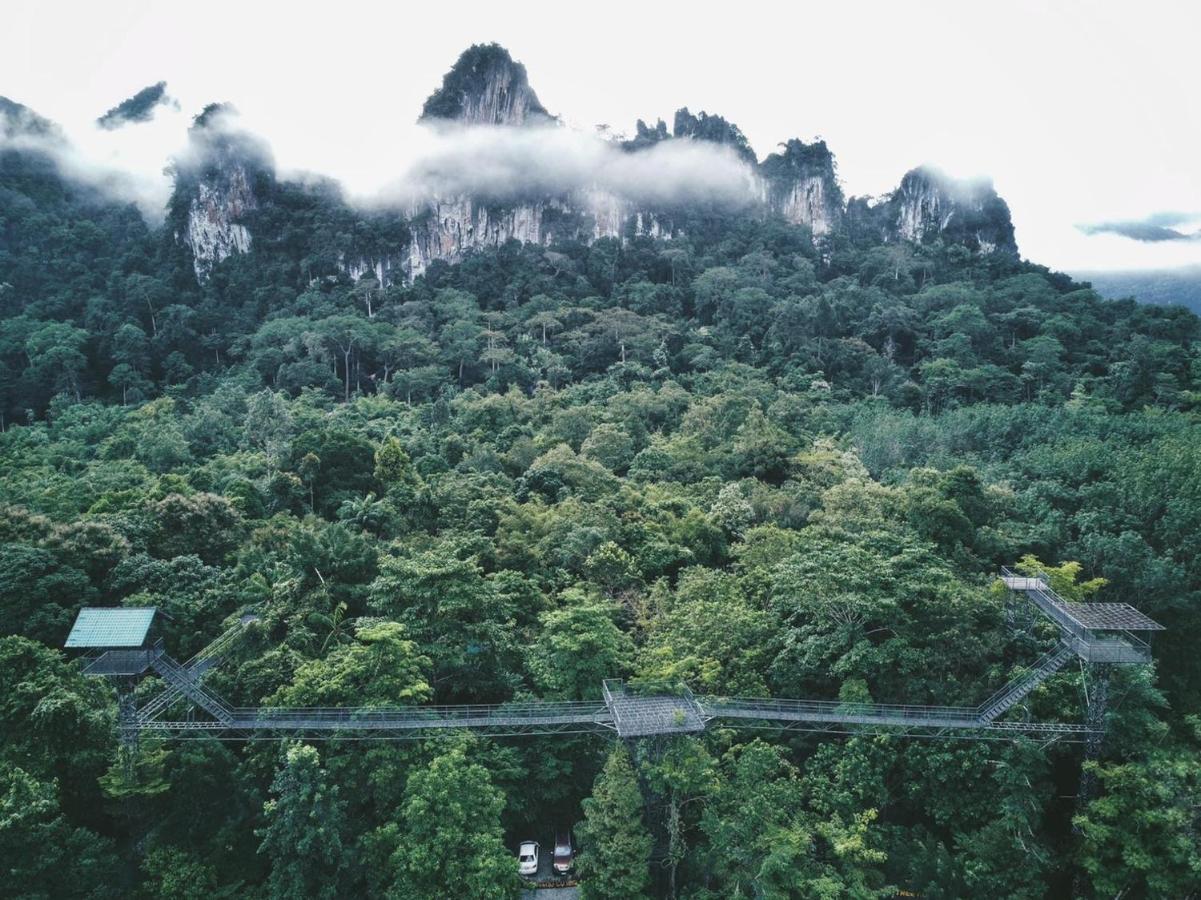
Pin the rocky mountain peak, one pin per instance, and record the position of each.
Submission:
(800, 184)
(929, 205)
(217, 185)
(705, 127)
(485, 87)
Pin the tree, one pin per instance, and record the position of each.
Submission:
(345, 335)
(614, 863)
(456, 617)
(461, 343)
(204, 524)
(380, 668)
(126, 379)
(305, 834)
(174, 874)
(268, 425)
(39, 591)
(44, 855)
(611, 446)
(579, 646)
(56, 358)
(544, 322)
(448, 834)
(1140, 837)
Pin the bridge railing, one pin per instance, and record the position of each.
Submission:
(834, 710)
(531, 712)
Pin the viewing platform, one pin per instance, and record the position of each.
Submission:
(1096, 632)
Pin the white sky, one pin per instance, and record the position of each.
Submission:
(1080, 111)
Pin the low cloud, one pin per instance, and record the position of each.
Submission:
(123, 165)
(132, 165)
(1153, 229)
(539, 161)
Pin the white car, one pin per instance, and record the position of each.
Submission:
(527, 858)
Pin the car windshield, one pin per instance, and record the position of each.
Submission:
(527, 857)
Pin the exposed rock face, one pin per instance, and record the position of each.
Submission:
(799, 184)
(214, 231)
(929, 206)
(215, 189)
(485, 87)
(448, 229)
(223, 184)
(387, 269)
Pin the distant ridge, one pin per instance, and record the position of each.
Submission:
(1162, 287)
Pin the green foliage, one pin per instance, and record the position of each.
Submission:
(381, 668)
(725, 459)
(580, 646)
(304, 836)
(44, 855)
(1139, 836)
(448, 833)
(615, 861)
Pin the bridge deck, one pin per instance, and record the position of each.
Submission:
(644, 710)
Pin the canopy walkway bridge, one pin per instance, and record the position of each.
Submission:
(123, 651)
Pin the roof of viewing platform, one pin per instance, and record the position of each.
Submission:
(1110, 617)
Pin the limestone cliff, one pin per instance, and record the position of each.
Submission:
(221, 183)
(485, 87)
(216, 188)
(930, 206)
(799, 184)
(449, 228)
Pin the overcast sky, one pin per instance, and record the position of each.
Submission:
(1081, 112)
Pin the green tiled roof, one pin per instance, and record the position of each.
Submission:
(121, 627)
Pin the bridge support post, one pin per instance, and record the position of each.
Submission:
(1096, 693)
(128, 730)
(663, 812)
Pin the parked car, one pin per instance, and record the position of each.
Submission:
(527, 858)
(564, 858)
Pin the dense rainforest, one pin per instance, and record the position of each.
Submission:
(738, 459)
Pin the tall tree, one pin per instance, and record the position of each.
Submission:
(305, 834)
(615, 859)
(448, 840)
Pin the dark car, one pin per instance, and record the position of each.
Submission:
(564, 857)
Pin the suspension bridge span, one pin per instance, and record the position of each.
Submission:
(120, 647)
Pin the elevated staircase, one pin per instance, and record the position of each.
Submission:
(187, 683)
(183, 680)
(1014, 692)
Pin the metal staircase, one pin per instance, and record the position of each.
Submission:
(187, 683)
(1016, 690)
(195, 668)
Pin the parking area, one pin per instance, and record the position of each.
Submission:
(547, 885)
